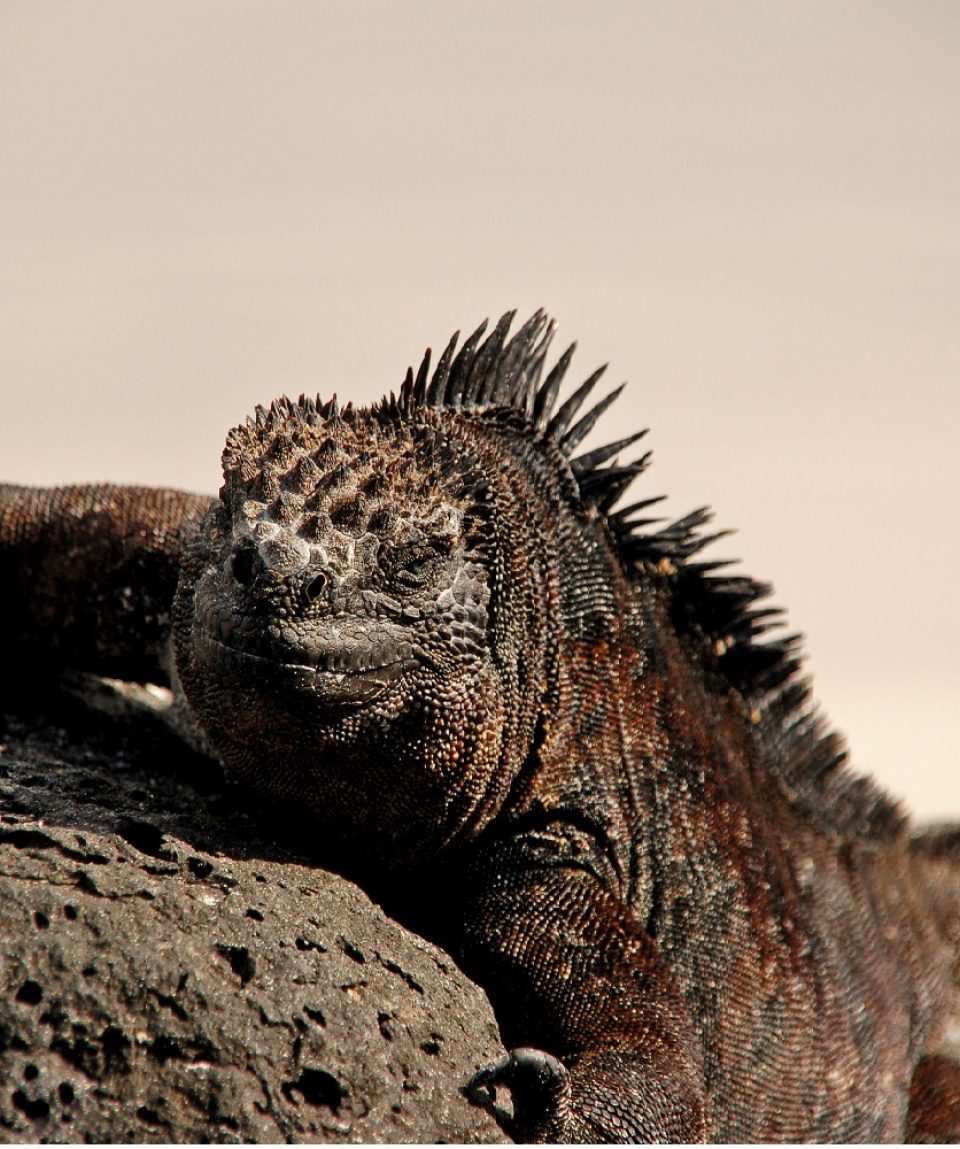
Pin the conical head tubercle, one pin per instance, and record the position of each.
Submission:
(499, 372)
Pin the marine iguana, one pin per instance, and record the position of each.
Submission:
(547, 731)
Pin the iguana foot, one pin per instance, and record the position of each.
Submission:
(603, 1097)
(538, 1083)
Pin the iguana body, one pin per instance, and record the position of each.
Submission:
(545, 734)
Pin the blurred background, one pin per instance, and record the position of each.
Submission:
(752, 210)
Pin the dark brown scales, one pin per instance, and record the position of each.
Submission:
(548, 733)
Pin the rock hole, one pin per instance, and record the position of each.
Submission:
(145, 838)
(393, 967)
(352, 950)
(70, 912)
(30, 993)
(169, 1002)
(385, 1025)
(196, 1049)
(115, 1043)
(27, 839)
(241, 961)
(199, 867)
(79, 856)
(41, 921)
(149, 1116)
(35, 1110)
(163, 1048)
(66, 1093)
(30, 1073)
(315, 1014)
(316, 1087)
(86, 883)
(255, 914)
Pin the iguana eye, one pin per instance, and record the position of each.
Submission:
(410, 567)
(413, 569)
(417, 568)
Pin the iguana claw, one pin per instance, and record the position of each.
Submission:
(536, 1080)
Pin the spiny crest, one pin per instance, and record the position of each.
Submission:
(506, 373)
(719, 611)
(502, 372)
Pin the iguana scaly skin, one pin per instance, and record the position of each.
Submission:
(548, 735)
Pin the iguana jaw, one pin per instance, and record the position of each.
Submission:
(340, 675)
(366, 751)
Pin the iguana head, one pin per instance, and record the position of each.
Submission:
(363, 623)
(378, 620)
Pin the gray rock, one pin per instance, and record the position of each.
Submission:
(170, 973)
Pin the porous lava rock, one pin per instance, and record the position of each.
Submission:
(171, 973)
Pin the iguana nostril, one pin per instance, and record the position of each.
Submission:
(243, 566)
(315, 587)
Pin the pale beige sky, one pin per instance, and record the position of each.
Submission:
(752, 209)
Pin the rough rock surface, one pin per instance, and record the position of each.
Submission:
(169, 973)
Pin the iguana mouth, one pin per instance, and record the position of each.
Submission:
(346, 674)
(362, 660)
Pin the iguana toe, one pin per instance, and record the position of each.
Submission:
(537, 1081)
